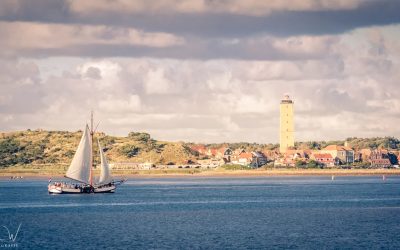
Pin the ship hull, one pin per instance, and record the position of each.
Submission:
(52, 189)
(108, 189)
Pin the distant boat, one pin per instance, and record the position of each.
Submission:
(81, 170)
(383, 177)
(333, 177)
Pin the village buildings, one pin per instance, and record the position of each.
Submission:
(288, 156)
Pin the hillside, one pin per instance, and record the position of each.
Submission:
(58, 147)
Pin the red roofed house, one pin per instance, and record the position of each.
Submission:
(201, 149)
(245, 158)
(325, 159)
(242, 158)
(290, 157)
(379, 159)
(340, 154)
(271, 154)
(211, 152)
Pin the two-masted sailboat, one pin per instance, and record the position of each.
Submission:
(81, 170)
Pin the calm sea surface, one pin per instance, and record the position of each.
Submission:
(207, 213)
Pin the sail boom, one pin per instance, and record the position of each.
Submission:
(76, 180)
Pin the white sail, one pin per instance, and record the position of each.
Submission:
(105, 173)
(80, 166)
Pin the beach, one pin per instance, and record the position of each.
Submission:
(37, 173)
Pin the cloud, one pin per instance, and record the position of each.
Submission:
(211, 19)
(155, 82)
(244, 108)
(93, 73)
(36, 36)
(48, 40)
(206, 71)
(114, 104)
(250, 7)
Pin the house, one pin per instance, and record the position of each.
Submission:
(211, 152)
(290, 157)
(236, 154)
(245, 159)
(242, 158)
(365, 154)
(379, 159)
(341, 154)
(393, 158)
(324, 159)
(201, 149)
(224, 153)
(298, 153)
(259, 159)
(271, 154)
(238, 151)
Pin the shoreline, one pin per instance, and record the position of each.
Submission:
(228, 173)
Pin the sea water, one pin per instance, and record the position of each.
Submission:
(206, 213)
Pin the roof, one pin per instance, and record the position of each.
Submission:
(223, 150)
(246, 155)
(238, 151)
(366, 151)
(198, 147)
(338, 148)
(296, 152)
(213, 151)
(322, 156)
(258, 154)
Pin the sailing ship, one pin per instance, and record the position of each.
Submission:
(81, 170)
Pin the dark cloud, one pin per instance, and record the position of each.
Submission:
(278, 23)
(200, 50)
(93, 73)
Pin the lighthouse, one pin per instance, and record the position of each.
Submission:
(286, 135)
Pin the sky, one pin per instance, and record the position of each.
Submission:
(202, 70)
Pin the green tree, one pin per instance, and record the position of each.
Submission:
(129, 150)
(313, 164)
(300, 164)
(139, 136)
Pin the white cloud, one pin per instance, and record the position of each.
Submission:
(119, 104)
(108, 73)
(156, 83)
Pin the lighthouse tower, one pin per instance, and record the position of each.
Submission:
(286, 138)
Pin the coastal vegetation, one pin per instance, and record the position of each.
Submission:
(56, 148)
(390, 143)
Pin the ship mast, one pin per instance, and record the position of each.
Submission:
(91, 149)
